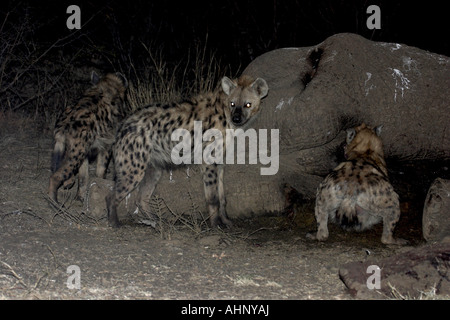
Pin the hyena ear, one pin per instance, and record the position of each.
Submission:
(123, 79)
(95, 78)
(351, 133)
(378, 130)
(261, 87)
(228, 85)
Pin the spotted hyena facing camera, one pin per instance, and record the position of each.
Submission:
(144, 144)
(357, 194)
(87, 130)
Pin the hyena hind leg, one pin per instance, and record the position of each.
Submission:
(103, 160)
(147, 187)
(125, 183)
(58, 152)
(322, 224)
(391, 217)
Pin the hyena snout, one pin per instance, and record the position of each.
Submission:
(237, 117)
(240, 116)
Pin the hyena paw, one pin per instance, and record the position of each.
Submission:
(221, 221)
(316, 236)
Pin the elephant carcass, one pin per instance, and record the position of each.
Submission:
(315, 94)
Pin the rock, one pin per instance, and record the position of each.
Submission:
(436, 211)
(406, 275)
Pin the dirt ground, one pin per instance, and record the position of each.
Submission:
(266, 257)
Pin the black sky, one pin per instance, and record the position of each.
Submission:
(238, 30)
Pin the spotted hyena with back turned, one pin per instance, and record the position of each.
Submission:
(87, 130)
(357, 194)
(143, 144)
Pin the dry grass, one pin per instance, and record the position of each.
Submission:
(166, 221)
(40, 82)
(40, 279)
(430, 294)
(161, 82)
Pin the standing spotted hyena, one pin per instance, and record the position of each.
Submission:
(357, 194)
(143, 144)
(88, 130)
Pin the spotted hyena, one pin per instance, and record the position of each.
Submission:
(357, 194)
(87, 130)
(143, 144)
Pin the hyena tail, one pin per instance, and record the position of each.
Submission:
(58, 151)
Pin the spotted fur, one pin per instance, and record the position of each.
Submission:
(143, 144)
(87, 130)
(357, 194)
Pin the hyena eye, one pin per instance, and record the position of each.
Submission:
(248, 105)
(232, 105)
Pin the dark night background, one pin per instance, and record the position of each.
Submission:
(237, 30)
(44, 69)
(43, 63)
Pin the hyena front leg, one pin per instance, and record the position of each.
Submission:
(222, 199)
(211, 184)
